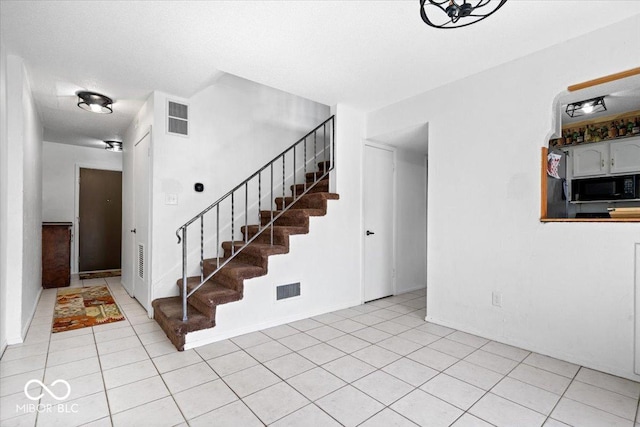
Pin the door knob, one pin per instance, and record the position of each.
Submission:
(370, 233)
(133, 231)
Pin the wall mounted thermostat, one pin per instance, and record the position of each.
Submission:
(199, 187)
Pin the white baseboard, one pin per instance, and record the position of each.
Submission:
(411, 289)
(525, 345)
(208, 336)
(25, 328)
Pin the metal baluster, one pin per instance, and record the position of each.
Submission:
(324, 145)
(217, 236)
(283, 183)
(304, 161)
(201, 248)
(315, 155)
(272, 195)
(333, 143)
(184, 273)
(233, 246)
(259, 201)
(294, 175)
(246, 210)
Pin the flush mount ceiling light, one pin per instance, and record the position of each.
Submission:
(590, 106)
(94, 102)
(457, 13)
(113, 146)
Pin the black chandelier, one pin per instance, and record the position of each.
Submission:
(457, 13)
(589, 106)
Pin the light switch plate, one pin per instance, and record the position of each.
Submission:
(171, 199)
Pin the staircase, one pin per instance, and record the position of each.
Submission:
(222, 277)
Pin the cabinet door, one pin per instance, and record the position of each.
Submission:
(588, 160)
(625, 156)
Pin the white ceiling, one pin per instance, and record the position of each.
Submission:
(364, 53)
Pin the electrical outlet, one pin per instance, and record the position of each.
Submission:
(496, 299)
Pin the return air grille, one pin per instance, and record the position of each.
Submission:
(141, 261)
(177, 118)
(287, 291)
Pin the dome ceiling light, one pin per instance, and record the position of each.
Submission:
(457, 13)
(113, 146)
(94, 102)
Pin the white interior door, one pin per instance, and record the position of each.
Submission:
(378, 222)
(141, 221)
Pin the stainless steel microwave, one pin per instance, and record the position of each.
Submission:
(623, 187)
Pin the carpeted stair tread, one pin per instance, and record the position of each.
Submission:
(168, 313)
(309, 200)
(235, 269)
(209, 295)
(257, 248)
(318, 187)
(314, 176)
(281, 233)
(293, 212)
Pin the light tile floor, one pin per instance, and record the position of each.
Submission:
(378, 364)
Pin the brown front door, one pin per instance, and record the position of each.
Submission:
(100, 229)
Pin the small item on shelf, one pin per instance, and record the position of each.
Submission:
(613, 131)
(629, 127)
(580, 135)
(576, 135)
(604, 132)
(622, 128)
(636, 126)
(568, 137)
(587, 135)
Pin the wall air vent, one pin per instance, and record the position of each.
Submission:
(177, 118)
(287, 291)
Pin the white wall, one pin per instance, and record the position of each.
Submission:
(32, 205)
(567, 287)
(138, 128)
(4, 166)
(327, 261)
(236, 126)
(411, 221)
(58, 180)
(21, 196)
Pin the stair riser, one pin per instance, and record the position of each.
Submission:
(250, 258)
(313, 177)
(280, 239)
(288, 220)
(319, 188)
(304, 203)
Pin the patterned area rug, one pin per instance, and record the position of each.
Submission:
(100, 274)
(83, 307)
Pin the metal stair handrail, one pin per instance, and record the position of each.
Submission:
(181, 232)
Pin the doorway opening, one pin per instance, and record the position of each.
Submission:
(99, 220)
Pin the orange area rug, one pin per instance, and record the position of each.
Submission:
(83, 307)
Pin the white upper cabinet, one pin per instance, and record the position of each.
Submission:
(590, 160)
(606, 158)
(625, 156)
